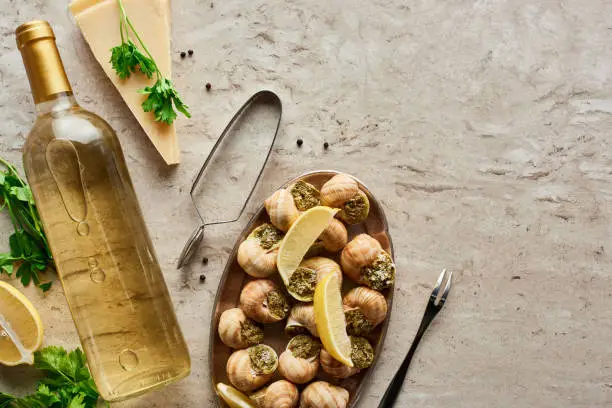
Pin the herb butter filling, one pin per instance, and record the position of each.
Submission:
(267, 235)
(251, 332)
(263, 359)
(362, 352)
(277, 304)
(294, 330)
(356, 323)
(302, 282)
(356, 210)
(380, 274)
(304, 346)
(305, 195)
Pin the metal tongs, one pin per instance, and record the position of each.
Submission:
(192, 244)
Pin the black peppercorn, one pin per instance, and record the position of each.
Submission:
(205, 260)
(300, 142)
(190, 52)
(202, 278)
(325, 145)
(183, 54)
(208, 86)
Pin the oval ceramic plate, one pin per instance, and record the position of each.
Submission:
(234, 278)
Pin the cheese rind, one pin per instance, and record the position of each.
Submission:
(99, 23)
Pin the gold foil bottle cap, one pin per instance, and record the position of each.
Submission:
(43, 64)
(33, 30)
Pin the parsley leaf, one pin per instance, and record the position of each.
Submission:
(29, 251)
(161, 100)
(127, 57)
(68, 383)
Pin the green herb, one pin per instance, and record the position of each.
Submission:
(302, 282)
(28, 244)
(277, 304)
(268, 236)
(162, 97)
(263, 359)
(380, 274)
(68, 383)
(356, 323)
(304, 346)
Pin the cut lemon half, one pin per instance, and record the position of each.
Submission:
(329, 318)
(233, 397)
(21, 330)
(298, 240)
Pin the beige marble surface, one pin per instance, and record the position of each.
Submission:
(484, 128)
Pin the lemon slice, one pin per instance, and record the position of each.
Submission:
(233, 397)
(21, 330)
(300, 237)
(329, 318)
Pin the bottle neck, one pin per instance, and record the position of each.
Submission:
(43, 64)
(59, 102)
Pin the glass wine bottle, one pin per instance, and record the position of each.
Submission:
(99, 241)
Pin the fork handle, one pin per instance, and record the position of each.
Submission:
(395, 387)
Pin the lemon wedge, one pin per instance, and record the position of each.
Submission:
(21, 330)
(298, 240)
(329, 318)
(233, 397)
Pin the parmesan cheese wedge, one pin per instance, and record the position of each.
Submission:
(99, 23)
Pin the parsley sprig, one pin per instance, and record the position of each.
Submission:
(68, 383)
(127, 58)
(29, 248)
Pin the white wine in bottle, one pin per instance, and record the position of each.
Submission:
(99, 241)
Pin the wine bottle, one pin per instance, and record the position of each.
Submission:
(102, 250)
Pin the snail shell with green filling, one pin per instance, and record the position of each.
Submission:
(279, 394)
(300, 361)
(237, 331)
(263, 301)
(257, 254)
(251, 368)
(321, 394)
(364, 261)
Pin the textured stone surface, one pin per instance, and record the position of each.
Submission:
(483, 126)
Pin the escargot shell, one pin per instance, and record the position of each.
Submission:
(356, 209)
(364, 261)
(362, 355)
(364, 309)
(257, 254)
(335, 368)
(238, 331)
(362, 352)
(305, 195)
(263, 301)
(342, 191)
(301, 320)
(300, 361)
(321, 394)
(359, 252)
(323, 267)
(303, 280)
(251, 368)
(281, 209)
(338, 190)
(279, 394)
(334, 237)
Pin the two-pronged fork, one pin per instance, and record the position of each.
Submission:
(436, 301)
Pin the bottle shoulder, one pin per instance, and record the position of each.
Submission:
(75, 124)
(84, 129)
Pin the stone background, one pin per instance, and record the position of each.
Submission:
(482, 125)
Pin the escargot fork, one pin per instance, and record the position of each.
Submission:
(434, 305)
